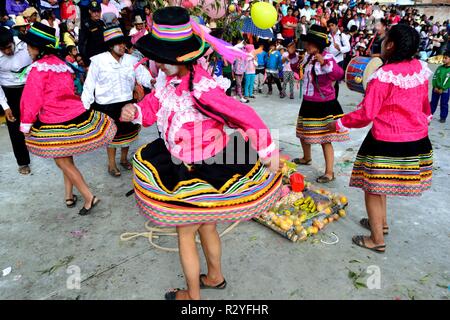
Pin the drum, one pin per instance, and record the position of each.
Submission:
(358, 72)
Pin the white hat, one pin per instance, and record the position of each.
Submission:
(138, 20)
(245, 7)
(280, 37)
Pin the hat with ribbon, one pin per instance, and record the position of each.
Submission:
(317, 35)
(113, 35)
(41, 36)
(20, 22)
(173, 39)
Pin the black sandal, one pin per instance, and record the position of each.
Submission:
(172, 295)
(365, 223)
(325, 179)
(220, 286)
(70, 203)
(360, 242)
(302, 161)
(84, 211)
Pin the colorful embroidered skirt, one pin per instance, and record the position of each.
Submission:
(87, 132)
(313, 119)
(393, 168)
(173, 194)
(127, 132)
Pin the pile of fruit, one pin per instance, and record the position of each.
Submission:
(301, 214)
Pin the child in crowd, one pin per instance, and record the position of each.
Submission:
(441, 88)
(72, 52)
(274, 65)
(250, 72)
(261, 69)
(289, 58)
(239, 67)
(320, 106)
(396, 157)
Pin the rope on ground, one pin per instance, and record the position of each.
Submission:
(156, 232)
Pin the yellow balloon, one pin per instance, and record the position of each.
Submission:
(264, 15)
(232, 8)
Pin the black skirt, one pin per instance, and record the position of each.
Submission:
(127, 132)
(313, 119)
(393, 168)
(233, 185)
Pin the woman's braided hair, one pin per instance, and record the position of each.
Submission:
(406, 42)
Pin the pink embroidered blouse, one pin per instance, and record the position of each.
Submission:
(49, 94)
(396, 102)
(319, 87)
(190, 135)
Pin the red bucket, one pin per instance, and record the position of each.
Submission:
(297, 182)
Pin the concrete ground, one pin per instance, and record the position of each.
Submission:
(37, 232)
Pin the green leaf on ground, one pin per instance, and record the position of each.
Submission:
(294, 292)
(61, 263)
(443, 286)
(411, 294)
(355, 261)
(253, 238)
(424, 279)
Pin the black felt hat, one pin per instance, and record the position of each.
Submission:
(41, 36)
(172, 39)
(317, 35)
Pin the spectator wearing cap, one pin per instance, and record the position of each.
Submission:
(91, 40)
(84, 9)
(16, 7)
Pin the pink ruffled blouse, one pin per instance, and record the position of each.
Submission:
(189, 134)
(396, 102)
(49, 94)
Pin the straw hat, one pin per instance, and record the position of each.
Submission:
(138, 20)
(20, 22)
(29, 12)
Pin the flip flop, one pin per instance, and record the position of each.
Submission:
(114, 173)
(70, 203)
(360, 242)
(220, 286)
(325, 179)
(126, 165)
(365, 223)
(302, 161)
(25, 170)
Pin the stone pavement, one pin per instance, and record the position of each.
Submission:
(37, 232)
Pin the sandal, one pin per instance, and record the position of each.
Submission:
(172, 294)
(126, 165)
(220, 286)
(114, 172)
(70, 203)
(302, 161)
(24, 169)
(325, 179)
(365, 223)
(360, 242)
(84, 211)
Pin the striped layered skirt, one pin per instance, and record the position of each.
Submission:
(174, 194)
(127, 132)
(87, 132)
(313, 119)
(393, 168)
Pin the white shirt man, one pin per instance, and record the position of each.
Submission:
(113, 81)
(339, 45)
(11, 68)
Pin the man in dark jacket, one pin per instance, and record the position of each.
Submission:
(91, 41)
